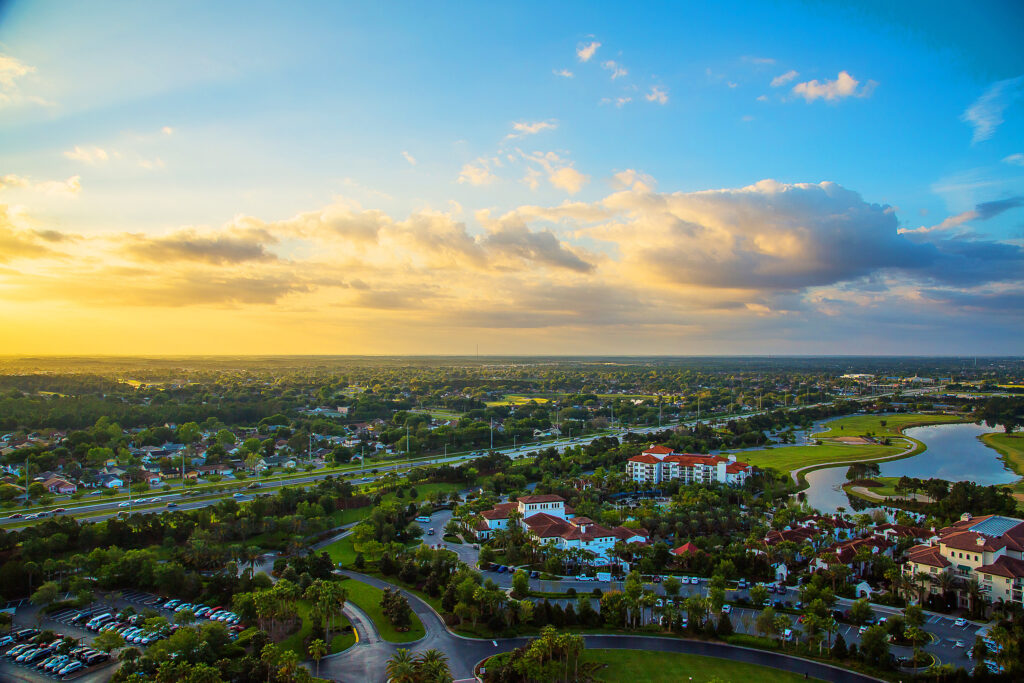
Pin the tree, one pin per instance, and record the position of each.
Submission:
(765, 623)
(839, 648)
(521, 583)
(107, 641)
(758, 596)
(45, 594)
(401, 668)
(860, 611)
(317, 649)
(874, 645)
(432, 665)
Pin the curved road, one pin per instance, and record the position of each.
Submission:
(367, 659)
(822, 465)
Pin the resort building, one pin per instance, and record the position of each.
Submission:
(660, 463)
(989, 549)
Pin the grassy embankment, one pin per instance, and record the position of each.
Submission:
(367, 598)
(297, 641)
(789, 458)
(1011, 448)
(669, 667)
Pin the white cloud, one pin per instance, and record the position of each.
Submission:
(759, 60)
(585, 52)
(559, 171)
(633, 180)
(617, 69)
(1015, 159)
(88, 155)
(762, 98)
(844, 85)
(521, 129)
(151, 164)
(564, 73)
(167, 130)
(70, 187)
(784, 78)
(569, 179)
(408, 157)
(620, 101)
(658, 94)
(986, 113)
(477, 173)
(11, 71)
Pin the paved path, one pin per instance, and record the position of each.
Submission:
(367, 661)
(868, 493)
(822, 465)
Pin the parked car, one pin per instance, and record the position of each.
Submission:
(70, 668)
(726, 609)
(960, 621)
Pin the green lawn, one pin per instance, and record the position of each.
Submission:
(1011, 447)
(297, 641)
(669, 667)
(341, 551)
(368, 598)
(856, 425)
(793, 457)
(887, 488)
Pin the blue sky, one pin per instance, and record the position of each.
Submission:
(350, 170)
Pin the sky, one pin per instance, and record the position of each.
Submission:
(577, 178)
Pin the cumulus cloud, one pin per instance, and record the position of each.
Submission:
(585, 51)
(559, 171)
(657, 94)
(622, 101)
(167, 130)
(516, 239)
(986, 113)
(784, 78)
(18, 243)
(408, 157)
(70, 187)
(843, 86)
(564, 73)
(12, 70)
(234, 246)
(633, 180)
(618, 71)
(88, 155)
(521, 129)
(477, 172)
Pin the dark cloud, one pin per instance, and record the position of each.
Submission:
(218, 249)
(512, 239)
(992, 209)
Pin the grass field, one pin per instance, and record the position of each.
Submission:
(1011, 447)
(793, 457)
(855, 425)
(438, 413)
(669, 667)
(517, 400)
(789, 458)
(342, 551)
(367, 598)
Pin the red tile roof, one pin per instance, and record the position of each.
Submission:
(1009, 567)
(542, 498)
(659, 450)
(927, 555)
(687, 549)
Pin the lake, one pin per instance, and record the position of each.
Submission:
(954, 453)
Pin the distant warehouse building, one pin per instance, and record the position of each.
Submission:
(660, 463)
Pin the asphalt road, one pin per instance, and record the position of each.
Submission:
(367, 659)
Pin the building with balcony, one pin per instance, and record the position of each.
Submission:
(660, 463)
(988, 549)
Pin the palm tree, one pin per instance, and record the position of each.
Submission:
(432, 666)
(922, 580)
(401, 667)
(317, 649)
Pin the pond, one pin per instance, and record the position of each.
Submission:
(954, 453)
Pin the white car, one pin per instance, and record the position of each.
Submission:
(124, 504)
(961, 622)
(70, 668)
(726, 609)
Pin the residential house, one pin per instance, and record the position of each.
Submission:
(59, 485)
